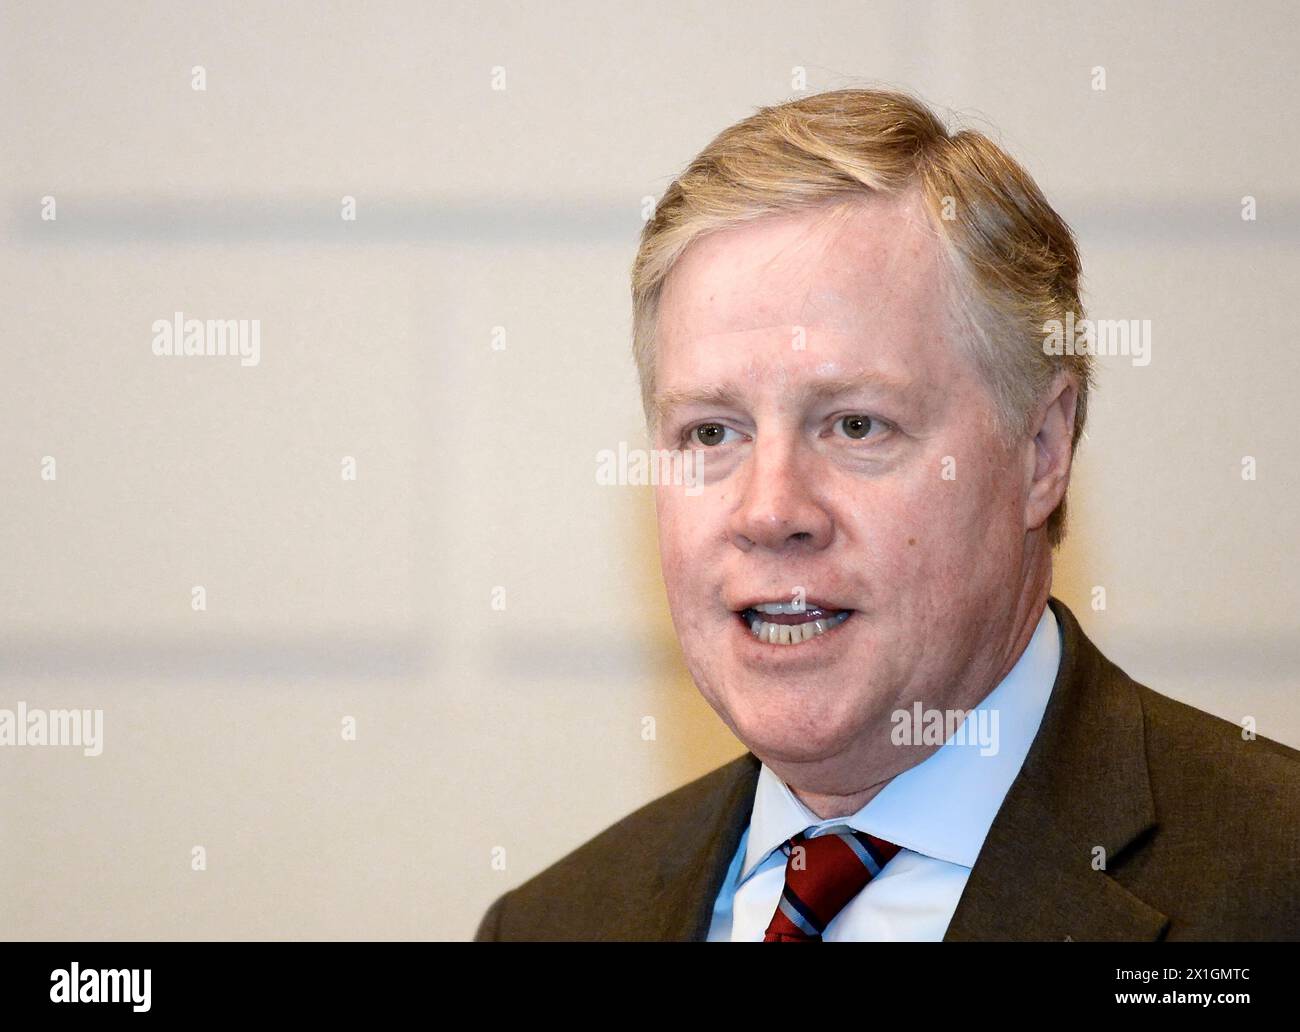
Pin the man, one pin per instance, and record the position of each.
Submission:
(846, 310)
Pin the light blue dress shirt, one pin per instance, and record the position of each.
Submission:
(939, 811)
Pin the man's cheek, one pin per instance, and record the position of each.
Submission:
(681, 574)
(670, 545)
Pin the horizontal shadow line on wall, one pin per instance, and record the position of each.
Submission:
(1184, 653)
(223, 657)
(131, 219)
(316, 220)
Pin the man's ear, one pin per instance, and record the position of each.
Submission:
(1052, 451)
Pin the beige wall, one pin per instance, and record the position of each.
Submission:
(521, 728)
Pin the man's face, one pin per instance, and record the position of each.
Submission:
(850, 463)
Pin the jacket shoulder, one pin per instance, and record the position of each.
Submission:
(599, 890)
(1227, 808)
(1206, 752)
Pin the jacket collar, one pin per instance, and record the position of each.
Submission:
(1082, 795)
(1084, 785)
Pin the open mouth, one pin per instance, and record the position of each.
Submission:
(786, 623)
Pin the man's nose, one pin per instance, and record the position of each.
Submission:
(779, 507)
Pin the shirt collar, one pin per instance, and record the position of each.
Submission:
(943, 806)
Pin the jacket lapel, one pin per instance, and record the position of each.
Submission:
(692, 869)
(1084, 786)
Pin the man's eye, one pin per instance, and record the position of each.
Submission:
(857, 426)
(709, 433)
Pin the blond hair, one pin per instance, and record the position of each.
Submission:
(1012, 262)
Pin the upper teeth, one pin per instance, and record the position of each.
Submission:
(794, 634)
(786, 608)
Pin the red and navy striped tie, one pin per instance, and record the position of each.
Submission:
(821, 875)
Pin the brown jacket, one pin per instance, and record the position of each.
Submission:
(1201, 832)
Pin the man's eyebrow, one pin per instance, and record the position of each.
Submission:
(713, 394)
(724, 394)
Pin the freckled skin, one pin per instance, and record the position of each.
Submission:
(947, 576)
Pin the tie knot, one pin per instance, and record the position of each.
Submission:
(822, 873)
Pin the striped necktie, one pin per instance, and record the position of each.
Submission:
(821, 875)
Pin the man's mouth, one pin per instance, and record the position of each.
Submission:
(786, 623)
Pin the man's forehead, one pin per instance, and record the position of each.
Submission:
(837, 267)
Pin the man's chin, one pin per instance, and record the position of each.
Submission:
(787, 731)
